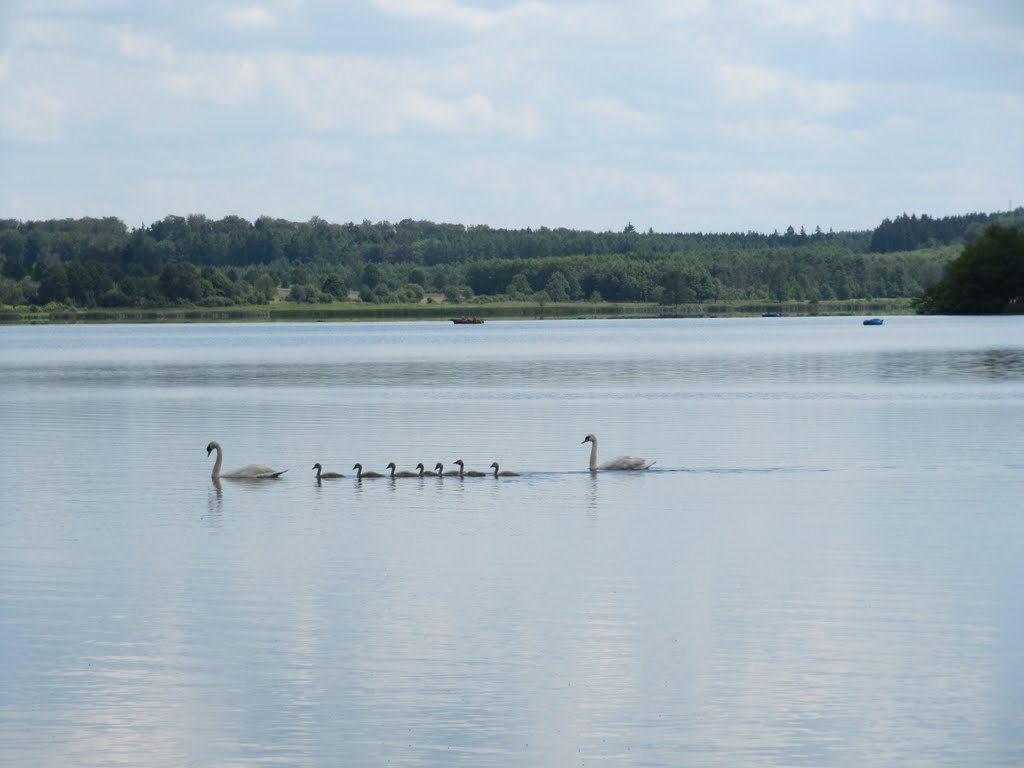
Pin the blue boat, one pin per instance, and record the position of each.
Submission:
(874, 321)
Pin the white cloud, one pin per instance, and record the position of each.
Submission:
(459, 14)
(249, 16)
(352, 93)
(307, 152)
(750, 83)
(441, 10)
(800, 191)
(33, 115)
(677, 10)
(755, 85)
(824, 98)
(222, 80)
(646, 188)
(142, 47)
(842, 18)
(773, 133)
(609, 115)
(1012, 102)
(473, 113)
(43, 33)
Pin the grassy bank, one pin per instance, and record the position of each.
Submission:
(358, 311)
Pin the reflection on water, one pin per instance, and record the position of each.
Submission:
(433, 378)
(822, 568)
(216, 503)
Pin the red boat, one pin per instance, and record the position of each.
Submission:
(467, 321)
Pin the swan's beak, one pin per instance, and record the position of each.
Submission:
(209, 450)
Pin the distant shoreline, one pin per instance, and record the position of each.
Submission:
(359, 312)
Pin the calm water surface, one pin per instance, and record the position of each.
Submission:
(824, 567)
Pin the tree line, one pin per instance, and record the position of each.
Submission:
(197, 261)
(909, 233)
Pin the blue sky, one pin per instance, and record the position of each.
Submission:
(690, 115)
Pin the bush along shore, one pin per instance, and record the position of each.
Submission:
(512, 310)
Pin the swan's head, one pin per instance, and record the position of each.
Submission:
(494, 464)
(358, 466)
(392, 465)
(211, 447)
(439, 466)
(420, 467)
(589, 439)
(460, 462)
(317, 466)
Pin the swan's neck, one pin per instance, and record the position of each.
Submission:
(593, 455)
(318, 471)
(217, 463)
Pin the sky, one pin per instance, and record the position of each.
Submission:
(671, 115)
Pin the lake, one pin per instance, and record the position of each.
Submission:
(824, 566)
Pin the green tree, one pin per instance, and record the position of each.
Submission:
(986, 276)
(180, 281)
(265, 288)
(676, 289)
(372, 276)
(557, 287)
(519, 287)
(410, 293)
(334, 285)
(15, 292)
(53, 285)
(141, 291)
(87, 281)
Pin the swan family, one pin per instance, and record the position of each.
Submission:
(263, 472)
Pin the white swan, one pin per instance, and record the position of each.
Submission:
(504, 473)
(360, 474)
(403, 473)
(620, 462)
(439, 467)
(248, 472)
(321, 475)
(463, 472)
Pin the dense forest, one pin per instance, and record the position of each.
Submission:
(986, 278)
(197, 261)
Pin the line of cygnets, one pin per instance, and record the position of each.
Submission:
(422, 471)
(263, 472)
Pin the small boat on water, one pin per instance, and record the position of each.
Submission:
(771, 314)
(467, 321)
(874, 321)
